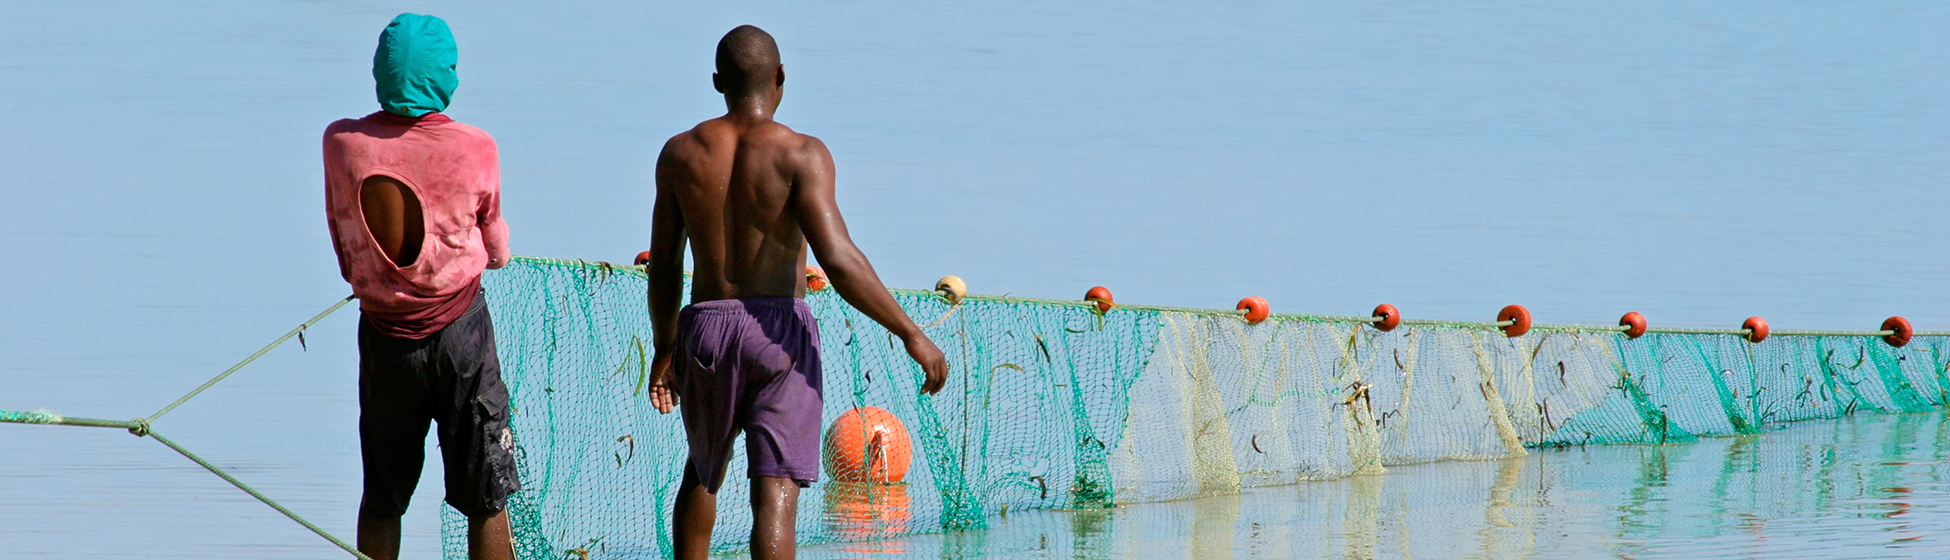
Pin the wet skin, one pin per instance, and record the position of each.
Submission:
(751, 196)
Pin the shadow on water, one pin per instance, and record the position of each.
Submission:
(1869, 486)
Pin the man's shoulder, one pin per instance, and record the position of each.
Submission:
(379, 126)
(469, 131)
(805, 147)
(344, 126)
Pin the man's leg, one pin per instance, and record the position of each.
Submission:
(378, 534)
(775, 511)
(476, 443)
(696, 512)
(488, 537)
(392, 438)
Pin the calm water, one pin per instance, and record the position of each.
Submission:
(1696, 162)
(1863, 487)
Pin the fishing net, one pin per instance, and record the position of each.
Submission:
(1053, 405)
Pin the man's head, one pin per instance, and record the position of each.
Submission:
(748, 65)
(413, 69)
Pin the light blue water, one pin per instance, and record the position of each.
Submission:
(1699, 163)
(1862, 487)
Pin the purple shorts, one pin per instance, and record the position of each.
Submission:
(750, 365)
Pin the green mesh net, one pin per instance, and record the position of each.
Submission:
(1052, 405)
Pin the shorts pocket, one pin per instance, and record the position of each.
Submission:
(497, 451)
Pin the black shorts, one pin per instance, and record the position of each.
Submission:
(453, 377)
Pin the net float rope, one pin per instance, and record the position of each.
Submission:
(1892, 330)
(1889, 331)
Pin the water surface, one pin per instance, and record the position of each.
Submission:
(1696, 162)
(1869, 486)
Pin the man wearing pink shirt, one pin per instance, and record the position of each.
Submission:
(415, 213)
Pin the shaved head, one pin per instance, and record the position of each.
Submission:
(748, 61)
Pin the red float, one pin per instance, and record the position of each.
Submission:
(815, 279)
(1256, 309)
(1390, 317)
(1518, 317)
(1634, 324)
(1756, 329)
(643, 258)
(868, 444)
(1100, 295)
(1900, 337)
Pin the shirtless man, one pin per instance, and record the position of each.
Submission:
(750, 196)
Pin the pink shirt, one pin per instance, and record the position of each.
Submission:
(454, 170)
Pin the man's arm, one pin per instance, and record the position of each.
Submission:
(814, 204)
(332, 156)
(494, 230)
(666, 272)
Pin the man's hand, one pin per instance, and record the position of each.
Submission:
(661, 395)
(932, 363)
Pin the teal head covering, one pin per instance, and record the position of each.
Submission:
(413, 70)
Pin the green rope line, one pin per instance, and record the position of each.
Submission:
(140, 428)
(260, 496)
(253, 357)
(45, 417)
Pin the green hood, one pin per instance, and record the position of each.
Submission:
(413, 70)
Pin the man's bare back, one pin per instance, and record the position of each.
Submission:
(750, 197)
(732, 180)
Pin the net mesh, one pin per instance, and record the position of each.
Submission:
(1052, 405)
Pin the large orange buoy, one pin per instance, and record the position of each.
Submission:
(643, 258)
(1390, 317)
(1634, 324)
(1901, 331)
(1256, 309)
(868, 444)
(1518, 317)
(1756, 329)
(815, 279)
(1100, 295)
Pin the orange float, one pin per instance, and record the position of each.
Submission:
(1256, 309)
(643, 258)
(1756, 329)
(1900, 337)
(1518, 317)
(868, 444)
(1634, 324)
(815, 279)
(1390, 317)
(1101, 296)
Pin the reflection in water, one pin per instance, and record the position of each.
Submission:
(867, 515)
(1362, 521)
(1498, 525)
(1867, 486)
(1213, 521)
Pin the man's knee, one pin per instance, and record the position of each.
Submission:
(490, 518)
(380, 509)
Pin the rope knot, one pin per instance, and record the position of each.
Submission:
(141, 427)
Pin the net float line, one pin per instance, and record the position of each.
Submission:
(1896, 331)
